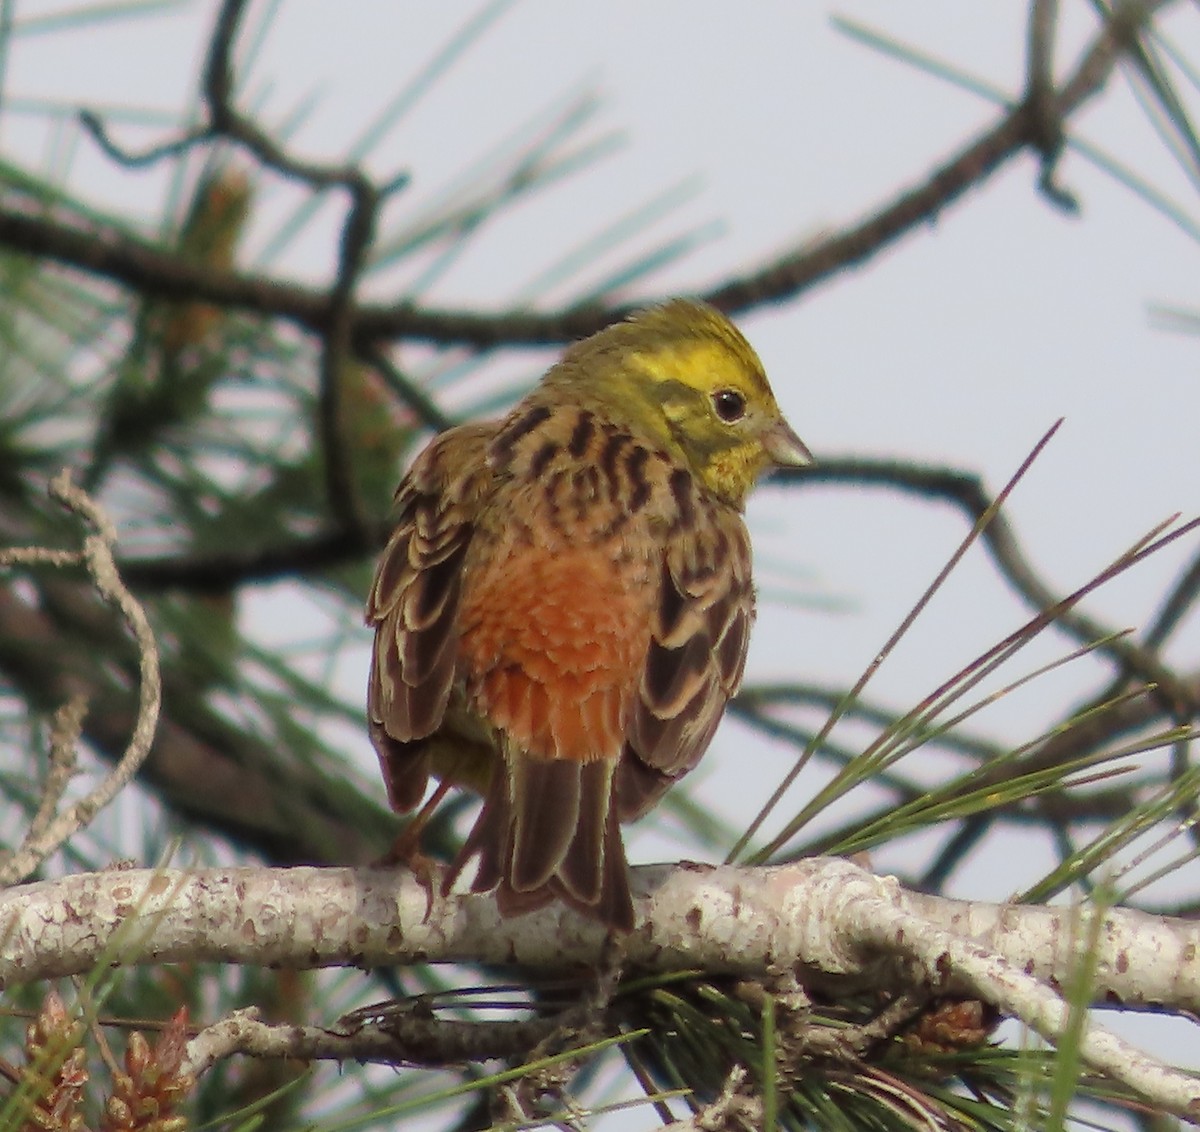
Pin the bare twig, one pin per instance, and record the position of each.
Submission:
(425, 407)
(975, 163)
(217, 573)
(47, 834)
(1175, 606)
(357, 234)
(228, 122)
(94, 126)
(336, 348)
(225, 122)
(1046, 123)
(966, 491)
(734, 1109)
(200, 764)
(407, 1038)
(65, 733)
(114, 254)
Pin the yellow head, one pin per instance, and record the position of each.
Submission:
(684, 375)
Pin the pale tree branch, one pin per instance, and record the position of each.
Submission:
(982, 972)
(837, 926)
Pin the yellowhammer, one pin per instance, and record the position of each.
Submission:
(563, 610)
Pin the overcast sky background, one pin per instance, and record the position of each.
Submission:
(959, 345)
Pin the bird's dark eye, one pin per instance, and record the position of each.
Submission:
(729, 404)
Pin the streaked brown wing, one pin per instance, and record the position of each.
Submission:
(695, 660)
(413, 603)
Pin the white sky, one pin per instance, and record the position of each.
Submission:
(960, 345)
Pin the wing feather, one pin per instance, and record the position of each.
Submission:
(696, 656)
(413, 605)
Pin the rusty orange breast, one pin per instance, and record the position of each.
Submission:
(552, 646)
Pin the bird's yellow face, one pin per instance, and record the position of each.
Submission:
(683, 374)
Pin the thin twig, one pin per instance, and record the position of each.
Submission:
(425, 407)
(226, 121)
(732, 1109)
(94, 126)
(408, 1038)
(357, 234)
(1045, 121)
(65, 733)
(966, 491)
(1175, 606)
(97, 556)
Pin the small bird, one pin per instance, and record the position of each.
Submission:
(563, 610)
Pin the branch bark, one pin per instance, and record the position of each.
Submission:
(724, 919)
(834, 924)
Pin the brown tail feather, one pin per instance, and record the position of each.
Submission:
(405, 768)
(549, 831)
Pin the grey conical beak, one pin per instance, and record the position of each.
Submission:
(785, 448)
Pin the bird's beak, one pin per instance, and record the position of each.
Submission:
(785, 448)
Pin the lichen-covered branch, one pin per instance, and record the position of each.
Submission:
(836, 925)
